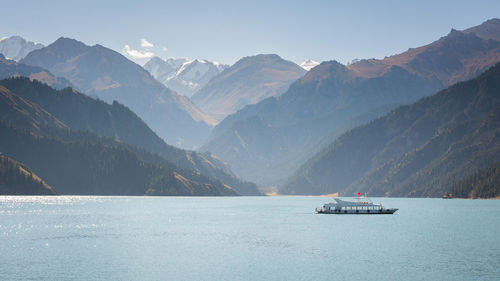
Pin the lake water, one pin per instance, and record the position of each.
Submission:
(245, 238)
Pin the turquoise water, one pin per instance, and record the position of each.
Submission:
(245, 238)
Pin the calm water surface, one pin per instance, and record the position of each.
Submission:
(245, 238)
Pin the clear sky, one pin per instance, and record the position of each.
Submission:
(225, 31)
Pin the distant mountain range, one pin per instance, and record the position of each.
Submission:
(10, 68)
(109, 76)
(66, 118)
(16, 47)
(266, 142)
(185, 76)
(248, 81)
(417, 150)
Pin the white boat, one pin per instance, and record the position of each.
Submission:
(362, 205)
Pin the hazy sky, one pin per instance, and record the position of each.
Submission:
(225, 31)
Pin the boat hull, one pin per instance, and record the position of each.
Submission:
(359, 212)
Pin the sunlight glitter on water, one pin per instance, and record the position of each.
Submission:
(50, 200)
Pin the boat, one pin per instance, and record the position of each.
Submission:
(362, 205)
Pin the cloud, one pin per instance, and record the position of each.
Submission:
(164, 49)
(136, 54)
(146, 44)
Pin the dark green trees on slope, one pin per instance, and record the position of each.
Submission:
(83, 164)
(43, 110)
(416, 150)
(483, 184)
(17, 179)
(10, 68)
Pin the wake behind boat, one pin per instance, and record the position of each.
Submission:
(362, 205)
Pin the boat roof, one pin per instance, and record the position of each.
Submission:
(361, 201)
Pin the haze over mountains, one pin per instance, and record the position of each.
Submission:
(10, 68)
(417, 150)
(268, 141)
(49, 130)
(16, 47)
(248, 81)
(185, 76)
(305, 129)
(108, 75)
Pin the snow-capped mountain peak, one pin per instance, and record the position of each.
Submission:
(309, 64)
(185, 76)
(16, 47)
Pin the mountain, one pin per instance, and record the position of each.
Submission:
(268, 141)
(17, 179)
(482, 184)
(16, 47)
(309, 64)
(37, 107)
(10, 68)
(458, 56)
(106, 74)
(248, 81)
(163, 69)
(418, 150)
(25, 113)
(490, 29)
(183, 75)
(79, 163)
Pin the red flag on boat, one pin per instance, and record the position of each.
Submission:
(359, 193)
